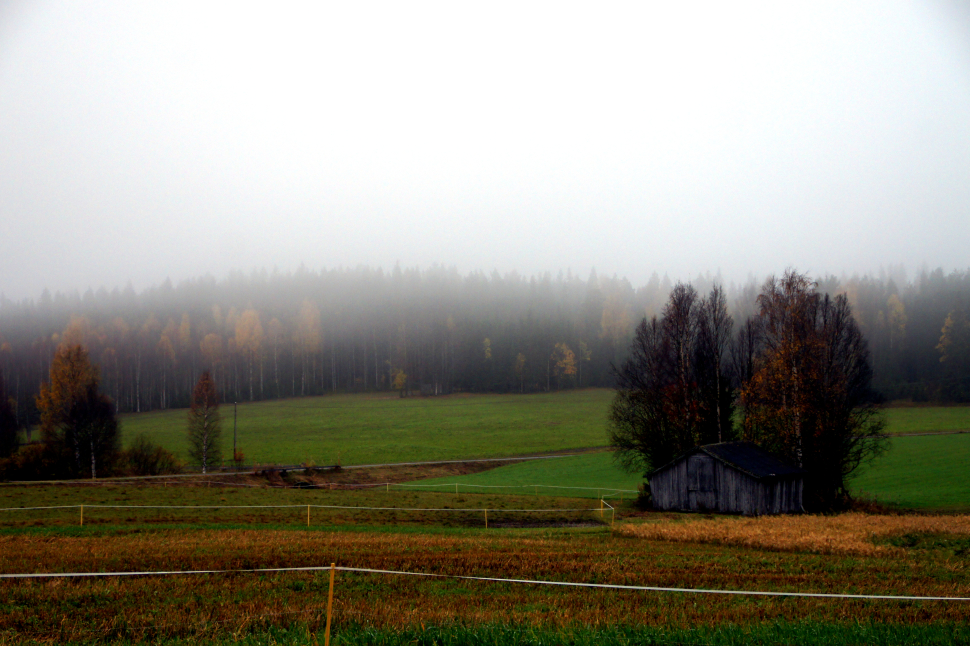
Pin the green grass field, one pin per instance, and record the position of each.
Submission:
(916, 472)
(362, 429)
(927, 419)
(928, 472)
(919, 472)
(587, 475)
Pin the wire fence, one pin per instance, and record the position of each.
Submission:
(314, 613)
(466, 515)
(489, 579)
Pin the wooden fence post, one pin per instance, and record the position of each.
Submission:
(82, 515)
(486, 519)
(326, 635)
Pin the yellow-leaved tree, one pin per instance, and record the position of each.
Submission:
(249, 343)
(78, 423)
(563, 363)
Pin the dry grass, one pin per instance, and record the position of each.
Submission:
(845, 534)
(201, 607)
(204, 606)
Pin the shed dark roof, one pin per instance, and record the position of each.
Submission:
(751, 459)
(745, 457)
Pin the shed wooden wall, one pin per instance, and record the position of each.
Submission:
(682, 486)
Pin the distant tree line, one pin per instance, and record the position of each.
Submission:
(268, 336)
(271, 335)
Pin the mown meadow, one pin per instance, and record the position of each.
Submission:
(845, 554)
(922, 472)
(370, 429)
(377, 428)
(251, 522)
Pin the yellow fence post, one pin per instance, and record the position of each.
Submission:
(308, 515)
(456, 488)
(486, 519)
(387, 487)
(326, 635)
(612, 517)
(82, 515)
(601, 507)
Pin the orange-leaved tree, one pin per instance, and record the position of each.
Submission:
(204, 427)
(77, 422)
(809, 396)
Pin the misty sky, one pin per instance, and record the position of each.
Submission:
(140, 141)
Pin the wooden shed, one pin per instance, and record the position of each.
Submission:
(730, 477)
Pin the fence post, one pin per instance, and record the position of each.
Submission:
(326, 635)
(82, 515)
(308, 516)
(486, 519)
(456, 488)
(387, 487)
(601, 507)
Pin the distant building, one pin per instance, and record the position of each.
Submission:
(732, 478)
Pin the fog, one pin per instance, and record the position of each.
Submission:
(145, 141)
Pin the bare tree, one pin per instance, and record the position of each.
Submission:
(715, 332)
(671, 393)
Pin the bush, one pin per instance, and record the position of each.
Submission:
(33, 462)
(644, 497)
(145, 458)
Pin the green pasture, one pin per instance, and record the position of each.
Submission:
(927, 419)
(587, 475)
(926, 472)
(370, 429)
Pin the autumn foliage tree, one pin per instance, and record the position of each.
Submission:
(203, 423)
(809, 397)
(563, 361)
(78, 423)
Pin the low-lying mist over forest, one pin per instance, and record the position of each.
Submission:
(432, 331)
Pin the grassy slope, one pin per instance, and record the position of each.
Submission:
(587, 470)
(921, 472)
(927, 419)
(371, 429)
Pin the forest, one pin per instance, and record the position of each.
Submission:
(431, 331)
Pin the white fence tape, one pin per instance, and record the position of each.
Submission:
(569, 584)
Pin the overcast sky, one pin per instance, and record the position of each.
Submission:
(140, 141)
